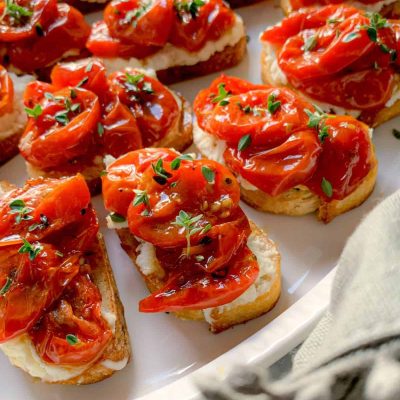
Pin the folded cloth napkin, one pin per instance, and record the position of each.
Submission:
(354, 352)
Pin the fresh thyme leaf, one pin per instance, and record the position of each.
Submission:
(148, 88)
(244, 142)
(100, 129)
(326, 187)
(22, 212)
(89, 67)
(189, 6)
(133, 79)
(176, 163)
(44, 223)
(159, 170)
(35, 111)
(6, 286)
(351, 36)
(115, 217)
(222, 96)
(17, 12)
(272, 104)
(72, 340)
(82, 82)
(62, 117)
(208, 174)
(141, 198)
(32, 250)
(310, 43)
(323, 134)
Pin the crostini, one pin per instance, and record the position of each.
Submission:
(178, 39)
(388, 8)
(61, 319)
(342, 58)
(34, 35)
(288, 155)
(85, 114)
(180, 222)
(12, 115)
(87, 6)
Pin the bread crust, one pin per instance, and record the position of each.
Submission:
(373, 120)
(242, 3)
(227, 58)
(119, 348)
(9, 147)
(179, 139)
(286, 7)
(221, 319)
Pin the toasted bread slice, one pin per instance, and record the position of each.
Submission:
(242, 3)
(117, 354)
(272, 75)
(286, 7)
(257, 300)
(180, 137)
(227, 58)
(296, 201)
(87, 6)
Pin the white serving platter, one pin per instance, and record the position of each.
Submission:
(167, 351)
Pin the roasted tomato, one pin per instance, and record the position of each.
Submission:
(22, 19)
(168, 195)
(200, 240)
(139, 22)
(102, 44)
(194, 23)
(6, 92)
(220, 89)
(74, 332)
(62, 127)
(297, 4)
(346, 158)
(65, 36)
(32, 282)
(190, 288)
(153, 105)
(89, 73)
(123, 176)
(331, 52)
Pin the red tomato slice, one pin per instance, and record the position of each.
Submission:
(206, 100)
(123, 176)
(280, 168)
(61, 201)
(346, 157)
(214, 201)
(78, 313)
(50, 140)
(67, 33)
(134, 21)
(153, 105)
(331, 52)
(248, 114)
(101, 44)
(192, 289)
(16, 27)
(121, 131)
(192, 30)
(35, 92)
(91, 71)
(6, 92)
(35, 284)
(297, 4)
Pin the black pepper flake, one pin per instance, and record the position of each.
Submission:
(228, 181)
(205, 240)
(83, 211)
(160, 179)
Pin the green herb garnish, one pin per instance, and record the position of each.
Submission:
(32, 250)
(310, 43)
(19, 207)
(222, 96)
(115, 217)
(6, 286)
(326, 187)
(35, 111)
(192, 7)
(72, 340)
(244, 142)
(141, 198)
(208, 174)
(176, 163)
(273, 105)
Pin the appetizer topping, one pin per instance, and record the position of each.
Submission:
(132, 28)
(84, 113)
(45, 291)
(329, 54)
(39, 33)
(298, 4)
(200, 240)
(292, 143)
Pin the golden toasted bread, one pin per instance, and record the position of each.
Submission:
(269, 66)
(180, 137)
(259, 298)
(227, 58)
(9, 147)
(116, 355)
(286, 7)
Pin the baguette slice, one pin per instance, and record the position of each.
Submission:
(180, 137)
(296, 201)
(22, 354)
(272, 75)
(227, 58)
(257, 300)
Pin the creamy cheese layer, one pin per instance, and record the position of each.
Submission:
(171, 56)
(15, 121)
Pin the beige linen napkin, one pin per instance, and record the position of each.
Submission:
(354, 351)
